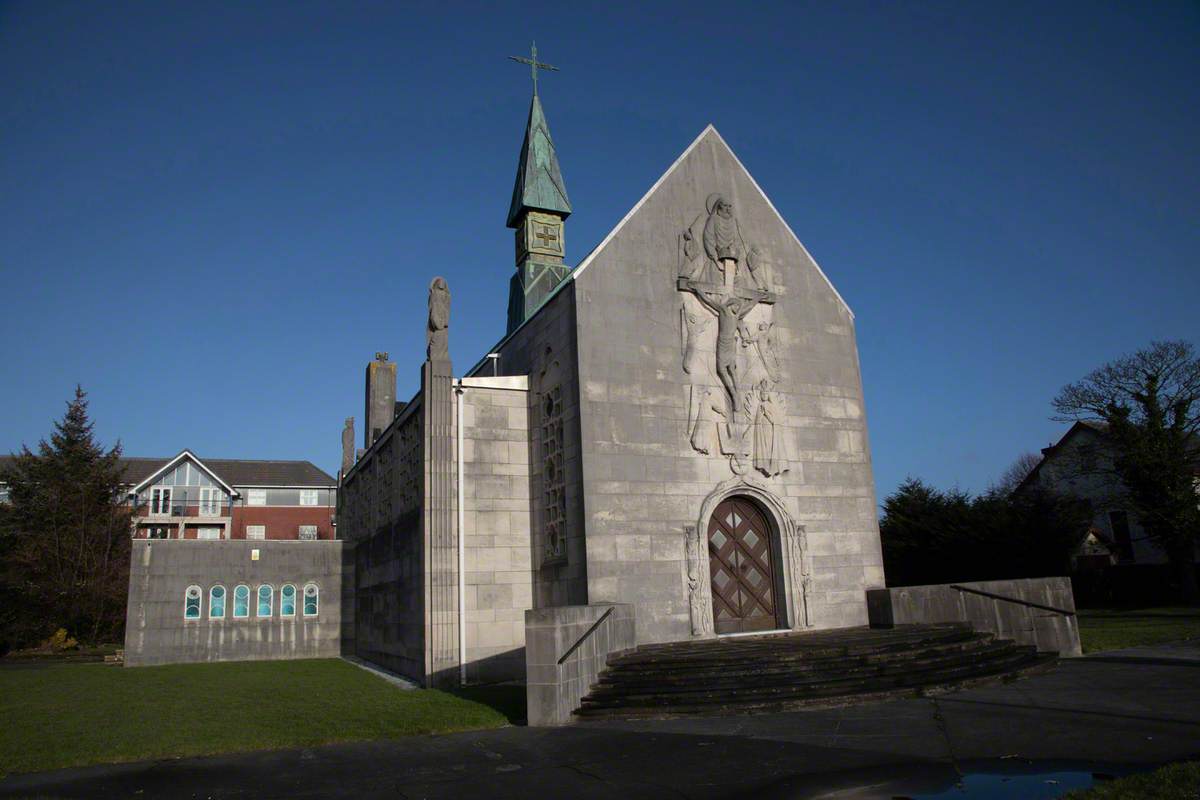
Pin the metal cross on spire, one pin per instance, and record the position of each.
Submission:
(534, 64)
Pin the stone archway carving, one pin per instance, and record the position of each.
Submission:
(793, 549)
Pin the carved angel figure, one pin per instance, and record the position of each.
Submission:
(436, 336)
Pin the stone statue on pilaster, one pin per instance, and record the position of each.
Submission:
(437, 332)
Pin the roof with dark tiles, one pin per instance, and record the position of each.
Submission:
(235, 472)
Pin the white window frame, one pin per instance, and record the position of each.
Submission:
(191, 593)
(295, 594)
(210, 501)
(205, 528)
(260, 530)
(270, 601)
(316, 593)
(256, 497)
(316, 533)
(160, 500)
(309, 497)
(224, 602)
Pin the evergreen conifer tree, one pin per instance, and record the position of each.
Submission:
(64, 537)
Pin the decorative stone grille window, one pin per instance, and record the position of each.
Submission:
(216, 602)
(287, 601)
(308, 533)
(191, 603)
(554, 498)
(310, 600)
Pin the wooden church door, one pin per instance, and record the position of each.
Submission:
(739, 557)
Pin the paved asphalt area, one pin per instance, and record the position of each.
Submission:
(1110, 712)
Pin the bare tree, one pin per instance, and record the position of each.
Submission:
(1016, 473)
(1149, 403)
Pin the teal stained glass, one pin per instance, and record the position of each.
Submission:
(265, 593)
(191, 603)
(216, 602)
(241, 601)
(310, 600)
(287, 601)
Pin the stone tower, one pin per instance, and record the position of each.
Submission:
(537, 213)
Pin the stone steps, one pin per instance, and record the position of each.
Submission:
(792, 673)
(779, 672)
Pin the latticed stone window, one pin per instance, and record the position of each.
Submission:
(554, 498)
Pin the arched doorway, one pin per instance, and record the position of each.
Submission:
(742, 559)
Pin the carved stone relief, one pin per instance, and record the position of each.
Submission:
(732, 367)
(436, 335)
(348, 445)
(699, 586)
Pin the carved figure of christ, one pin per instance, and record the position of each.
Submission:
(730, 310)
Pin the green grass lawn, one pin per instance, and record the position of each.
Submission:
(1173, 782)
(75, 714)
(1113, 629)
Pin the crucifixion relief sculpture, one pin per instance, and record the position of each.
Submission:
(733, 406)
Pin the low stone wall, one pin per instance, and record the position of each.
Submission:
(1048, 630)
(554, 690)
(158, 632)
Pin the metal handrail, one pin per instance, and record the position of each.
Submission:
(1016, 600)
(586, 634)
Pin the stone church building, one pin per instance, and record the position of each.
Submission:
(675, 424)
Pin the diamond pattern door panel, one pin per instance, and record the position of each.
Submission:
(739, 557)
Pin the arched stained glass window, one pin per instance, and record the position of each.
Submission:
(265, 600)
(287, 601)
(310, 600)
(241, 601)
(216, 602)
(191, 603)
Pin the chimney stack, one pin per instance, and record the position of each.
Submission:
(381, 397)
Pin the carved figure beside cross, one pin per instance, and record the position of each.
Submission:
(730, 281)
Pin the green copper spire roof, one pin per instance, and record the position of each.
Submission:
(539, 183)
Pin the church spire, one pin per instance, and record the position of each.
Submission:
(538, 210)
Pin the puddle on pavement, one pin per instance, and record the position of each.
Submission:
(985, 786)
(997, 779)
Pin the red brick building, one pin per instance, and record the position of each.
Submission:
(188, 498)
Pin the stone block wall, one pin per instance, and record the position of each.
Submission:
(1050, 631)
(644, 479)
(496, 518)
(544, 349)
(554, 690)
(380, 516)
(162, 570)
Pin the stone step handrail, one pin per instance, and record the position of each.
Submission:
(1017, 600)
(586, 634)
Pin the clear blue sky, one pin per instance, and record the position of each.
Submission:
(213, 214)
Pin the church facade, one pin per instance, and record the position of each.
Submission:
(676, 423)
